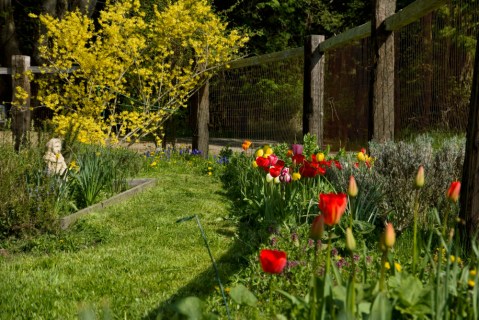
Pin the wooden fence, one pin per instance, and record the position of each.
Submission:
(381, 107)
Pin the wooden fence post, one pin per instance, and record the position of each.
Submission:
(20, 111)
(469, 200)
(201, 114)
(313, 90)
(381, 94)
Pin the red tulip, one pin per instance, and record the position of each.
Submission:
(298, 159)
(272, 261)
(275, 170)
(454, 190)
(332, 206)
(263, 163)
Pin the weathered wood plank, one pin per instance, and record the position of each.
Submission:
(5, 70)
(411, 13)
(267, 58)
(137, 186)
(345, 38)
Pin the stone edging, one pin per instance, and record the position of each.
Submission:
(136, 185)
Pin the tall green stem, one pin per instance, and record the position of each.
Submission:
(315, 283)
(383, 271)
(414, 249)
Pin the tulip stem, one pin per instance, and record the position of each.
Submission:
(415, 217)
(383, 270)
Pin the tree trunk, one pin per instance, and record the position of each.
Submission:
(469, 200)
(381, 101)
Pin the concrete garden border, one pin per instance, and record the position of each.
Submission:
(136, 186)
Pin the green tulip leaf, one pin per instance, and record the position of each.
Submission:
(381, 308)
(191, 307)
(242, 296)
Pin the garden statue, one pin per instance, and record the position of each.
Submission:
(53, 157)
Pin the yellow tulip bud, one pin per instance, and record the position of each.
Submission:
(420, 177)
(259, 153)
(350, 241)
(320, 156)
(361, 157)
(353, 187)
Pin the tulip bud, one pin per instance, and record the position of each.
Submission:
(361, 157)
(420, 177)
(454, 191)
(259, 153)
(352, 187)
(320, 156)
(317, 228)
(350, 241)
(363, 150)
(276, 180)
(255, 164)
(389, 235)
(269, 178)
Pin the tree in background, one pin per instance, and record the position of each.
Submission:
(128, 76)
(277, 25)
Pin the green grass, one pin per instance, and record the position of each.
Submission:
(133, 258)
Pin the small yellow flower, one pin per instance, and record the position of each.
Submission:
(472, 272)
(153, 164)
(259, 153)
(452, 258)
(471, 283)
(57, 155)
(210, 168)
(320, 156)
(398, 267)
(210, 173)
(227, 289)
(296, 176)
(361, 157)
(387, 265)
(338, 257)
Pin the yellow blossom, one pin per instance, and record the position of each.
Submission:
(153, 164)
(296, 176)
(387, 265)
(471, 283)
(472, 272)
(320, 156)
(210, 173)
(361, 157)
(397, 266)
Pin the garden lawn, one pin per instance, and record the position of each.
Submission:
(131, 259)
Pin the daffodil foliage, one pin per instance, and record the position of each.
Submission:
(120, 77)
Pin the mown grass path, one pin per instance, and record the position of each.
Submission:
(132, 258)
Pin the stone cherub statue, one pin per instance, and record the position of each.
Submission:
(53, 157)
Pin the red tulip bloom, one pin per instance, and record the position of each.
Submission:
(298, 159)
(275, 170)
(272, 261)
(332, 206)
(263, 163)
(454, 190)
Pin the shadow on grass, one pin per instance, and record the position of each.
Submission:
(205, 284)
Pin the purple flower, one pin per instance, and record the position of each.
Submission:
(334, 252)
(297, 149)
(356, 257)
(294, 237)
(293, 264)
(310, 242)
(273, 241)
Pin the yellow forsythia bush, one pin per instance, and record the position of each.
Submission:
(121, 77)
